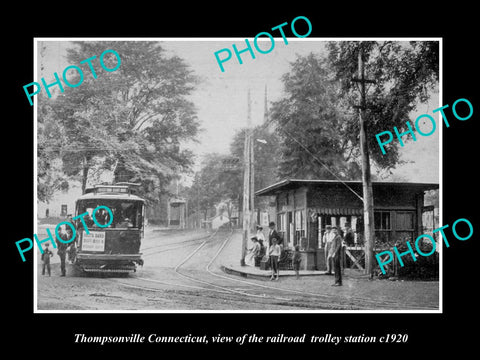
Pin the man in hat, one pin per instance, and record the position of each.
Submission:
(62, 247)
(272, 233)
(327, 241)
(336, 254)
(46, 255)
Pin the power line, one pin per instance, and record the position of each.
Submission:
(281, 127)
(321, 163)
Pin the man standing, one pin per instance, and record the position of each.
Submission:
(336, 254)
(46, 259)
(327, 241)
(272, 234)
(62, 248)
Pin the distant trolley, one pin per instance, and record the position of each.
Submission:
(115, 248)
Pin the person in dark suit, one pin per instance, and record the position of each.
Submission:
(336, 253)
(272, 234)
(62, 248)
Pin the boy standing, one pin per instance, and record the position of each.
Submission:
(274, 252)
(47, 254)
(297, 259)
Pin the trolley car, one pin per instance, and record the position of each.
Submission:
(112, 248)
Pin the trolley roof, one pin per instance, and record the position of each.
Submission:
(114, 192)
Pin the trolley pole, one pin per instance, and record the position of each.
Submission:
(366, 173)
(248, 177)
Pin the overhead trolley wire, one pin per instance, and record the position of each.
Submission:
(281, 127)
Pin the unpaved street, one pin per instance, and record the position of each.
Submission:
(182, 271)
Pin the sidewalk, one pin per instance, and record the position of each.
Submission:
(230, 263)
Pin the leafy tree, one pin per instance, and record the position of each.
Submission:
(50, 178)
(214, 183)
(405, 74)
(132, 120)
(317, 112)
(310, 116)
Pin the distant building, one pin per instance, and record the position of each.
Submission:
(61, 204)
(219, 220)
(177, 213)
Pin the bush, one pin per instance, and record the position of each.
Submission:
(425, 267)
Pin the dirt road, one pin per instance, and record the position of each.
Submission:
(182, 272)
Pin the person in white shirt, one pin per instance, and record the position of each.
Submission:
(253, 252)
(327, 240)
(274, 252)
(259, 234)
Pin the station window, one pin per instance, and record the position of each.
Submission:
(383, 227)
(382, 220)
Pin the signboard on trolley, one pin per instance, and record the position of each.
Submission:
(94, 241)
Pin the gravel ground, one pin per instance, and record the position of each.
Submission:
(157, 286)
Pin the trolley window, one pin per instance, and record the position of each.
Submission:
(126, 213)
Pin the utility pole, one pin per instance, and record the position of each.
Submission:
(366, 174)
(248, 185)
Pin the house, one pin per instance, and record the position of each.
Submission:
(302, 209)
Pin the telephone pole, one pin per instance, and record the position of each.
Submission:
(369, 227)
(248, 184)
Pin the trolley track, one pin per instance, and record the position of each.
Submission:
(155, 249)
(357, 299)
(220, 284)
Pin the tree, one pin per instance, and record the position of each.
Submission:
(317, 121)
(133, 120)
(49, 172)
(318, 112)
(311, 116)
(399, 84)
(213, 183)
(405, 74)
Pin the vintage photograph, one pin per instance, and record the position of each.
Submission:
(298, 179)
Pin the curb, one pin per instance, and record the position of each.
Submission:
(232, 271)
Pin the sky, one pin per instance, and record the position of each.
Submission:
(221, 97)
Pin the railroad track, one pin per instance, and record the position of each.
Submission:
(359, 300)
(290, 298)
(155, 249)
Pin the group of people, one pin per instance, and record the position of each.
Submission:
(274, 252)
(332, 240)
(62, 249)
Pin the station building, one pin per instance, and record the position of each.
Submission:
(301, 210)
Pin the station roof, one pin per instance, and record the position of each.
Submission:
(289, 184)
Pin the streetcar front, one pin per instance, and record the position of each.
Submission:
(110, 228)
